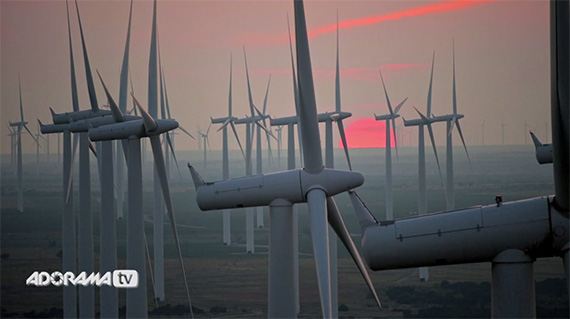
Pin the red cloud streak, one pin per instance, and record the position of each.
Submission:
(414, 12)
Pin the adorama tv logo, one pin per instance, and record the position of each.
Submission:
(122, 278)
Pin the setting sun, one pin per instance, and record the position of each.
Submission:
(366, 133)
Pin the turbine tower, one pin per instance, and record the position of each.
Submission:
(537, 227)
(391, 117)
(313, 184)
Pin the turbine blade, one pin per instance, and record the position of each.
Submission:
(161, 172)
(344, 143)
(386, 94)
(312, 153)
(316, 199)
(151, 273)
(430, 129)
(226, 122)
(208, 130)
(266, 95)
(74, 99)
(430, 86)
(464, 145)
(337, 224)
(365, 217)
(453, 120)
(125, 149)
(117, 114)
(72, 167)
(399, 106)
(186, 132)
(21, 104)
(250, 98)
(149, 123)
(124, 77)
(337, 71)
(454, 92)
(237, 138)
(93, 150)
(196, 178)
(88, 75)
(172, 151)
(32, 135)
(230, 91)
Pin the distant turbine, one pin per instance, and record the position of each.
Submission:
(483, 133)
(226, 223)
(19, 126)
(503, 132)
(422, 186)
(206, 143)
(391, 117)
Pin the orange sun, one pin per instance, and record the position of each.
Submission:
(366, 133)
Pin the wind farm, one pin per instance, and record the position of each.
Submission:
(197, 266)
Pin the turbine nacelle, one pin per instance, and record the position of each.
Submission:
(16, 124)
(261, 190)
(125, 130)
(284, 120)
(386, 117)
(470, 235)
(66, 117)
(543, 151)
(334, 116)
(223, 120)
(83, 125)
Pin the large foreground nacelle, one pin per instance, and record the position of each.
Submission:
(261, 190)
(466, 236)
(125, 130)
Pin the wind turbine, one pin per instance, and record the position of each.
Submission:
(422, 187)
(13, 135)
(313, 184)
(451, 123)
(391, 117)
(206, 143)
(226, 222)
(37, 138)
(249, 122)
(133, 131)
(19, 173)
(537, 227)
(259, 157)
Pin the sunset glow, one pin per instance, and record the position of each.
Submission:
(366, 133)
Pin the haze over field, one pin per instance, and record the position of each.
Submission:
(502, 58)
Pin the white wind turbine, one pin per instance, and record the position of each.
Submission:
(226, 222)
(37, 138)
(206, 144)
(536, 227)
(314, 184)
(133, 131)
(422, 187)
(13, 136)
(391, 117)
(483, 132)
(19, 171)
(451, 123)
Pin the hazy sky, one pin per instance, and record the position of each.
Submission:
(502, 58)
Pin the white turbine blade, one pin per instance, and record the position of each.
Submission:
(93, 149)
(337, 72)
(32, 135)
(365, 217)
(226, 122)
(453, 121)
(399, 106)
(186, 132)
(386, 94)
(268, 131)
(208, 143)
(88, 75)
(421, 115)
(149, 123)
(117, 114)
(74, 99)
(21, 104)
(151, 273)
(250, 98)
(125, 149)
(430, 130)
(344, 143)
(161, 172)
(316, 200)
(124, 76)
(72, 167)
(208, 130)
(464, 145)
(430, 86)
(454, 92)
(237, 138)
(266, 95)
(312, 153)
(336, 222)
(172, 151)
(230, 90)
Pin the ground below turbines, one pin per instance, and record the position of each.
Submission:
(224, 278)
